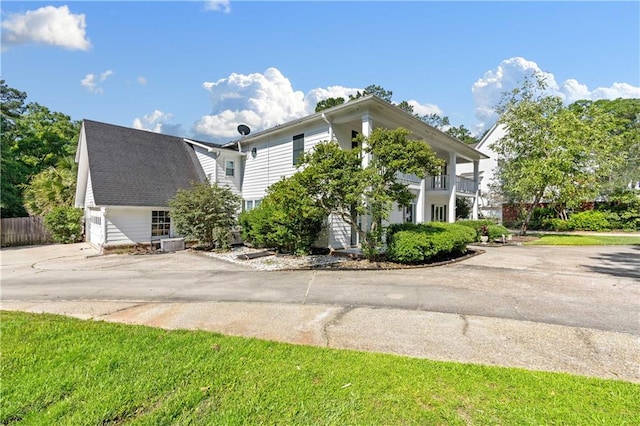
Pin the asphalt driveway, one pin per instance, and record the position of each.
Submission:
(574, 309)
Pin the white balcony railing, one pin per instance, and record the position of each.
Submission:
(466, 185)
(438, 183)
(441, 183)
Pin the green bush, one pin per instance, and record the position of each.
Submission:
(287, 220)
(590, 220)
(205, 213)
(540, 215)
(65, 224)
(623, 210)
(556, 224)
(485, 227)
(497, 231)
(414, 244)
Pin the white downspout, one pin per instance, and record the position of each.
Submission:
(324, 117)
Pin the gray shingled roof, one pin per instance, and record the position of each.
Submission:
(132, 167)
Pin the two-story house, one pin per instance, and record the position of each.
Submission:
(117, 193)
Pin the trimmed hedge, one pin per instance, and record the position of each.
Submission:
(493, 230)
(418, 243)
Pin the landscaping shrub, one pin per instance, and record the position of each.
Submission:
(65, 224)
(205, 213)
(413, 244)
(540, 215)
(484, 227)
(590, 220)
(287, 219)
(623, 210)
(497, 231)
(556, 224)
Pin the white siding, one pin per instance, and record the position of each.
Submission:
(89, 201)
(214, 168)
(274, 160)
(339, 233)
(128, 225)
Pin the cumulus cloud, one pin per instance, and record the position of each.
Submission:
(487, 90)
(92, 81)
(157, 122)
(259, 101)
(264, 100)
(425, 109)
(223, 6)
(56, 26)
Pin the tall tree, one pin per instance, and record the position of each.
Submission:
(12, 106)
(328, 103)
(549, 152)
(36, 139)
(374, 89)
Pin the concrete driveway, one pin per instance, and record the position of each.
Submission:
(573, 309)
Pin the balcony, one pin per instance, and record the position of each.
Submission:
(441, 183)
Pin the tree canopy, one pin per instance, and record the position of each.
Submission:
(33, 139)
(551, 152)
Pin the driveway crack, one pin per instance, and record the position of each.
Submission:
(333, 322)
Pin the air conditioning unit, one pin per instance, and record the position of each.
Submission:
(172, 244)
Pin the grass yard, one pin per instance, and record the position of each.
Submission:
(63, 371)
(583, 240)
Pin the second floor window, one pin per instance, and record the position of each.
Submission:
(298, 148)
(229, 168)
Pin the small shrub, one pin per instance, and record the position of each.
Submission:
(413, 244)
(590, 220)
(556, 224)
(496, 232)
(539, 215)
(65, 224)
(485, 227)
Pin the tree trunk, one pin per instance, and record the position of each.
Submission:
(525, 223)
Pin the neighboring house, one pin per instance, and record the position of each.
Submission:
(126, 176)
(489, 201)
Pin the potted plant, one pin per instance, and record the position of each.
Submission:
(484, 234)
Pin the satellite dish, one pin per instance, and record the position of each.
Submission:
(244, 130)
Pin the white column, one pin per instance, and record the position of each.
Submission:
(367, 128)
(476, 185)
(451, 208)
(421, 202)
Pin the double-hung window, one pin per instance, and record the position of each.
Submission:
(298, 148)
(229, 168)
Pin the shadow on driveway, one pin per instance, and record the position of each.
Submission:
(618, 264)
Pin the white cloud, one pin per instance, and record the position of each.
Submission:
(223, 6)
(142, 81)
(265, 100)
(92, 81)
(47, 25)
(259, 101)
(157, 122)
(487, 90)
(425, 109)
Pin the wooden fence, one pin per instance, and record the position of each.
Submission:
(24, 231)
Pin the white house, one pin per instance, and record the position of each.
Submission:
(489, 201)
(126, 176)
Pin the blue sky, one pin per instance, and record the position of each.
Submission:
(199, 68)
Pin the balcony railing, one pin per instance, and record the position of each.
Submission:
(466, 185)
(438, 183)
(441, 183)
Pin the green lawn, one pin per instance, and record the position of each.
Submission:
(63, 371)
(584, 240)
